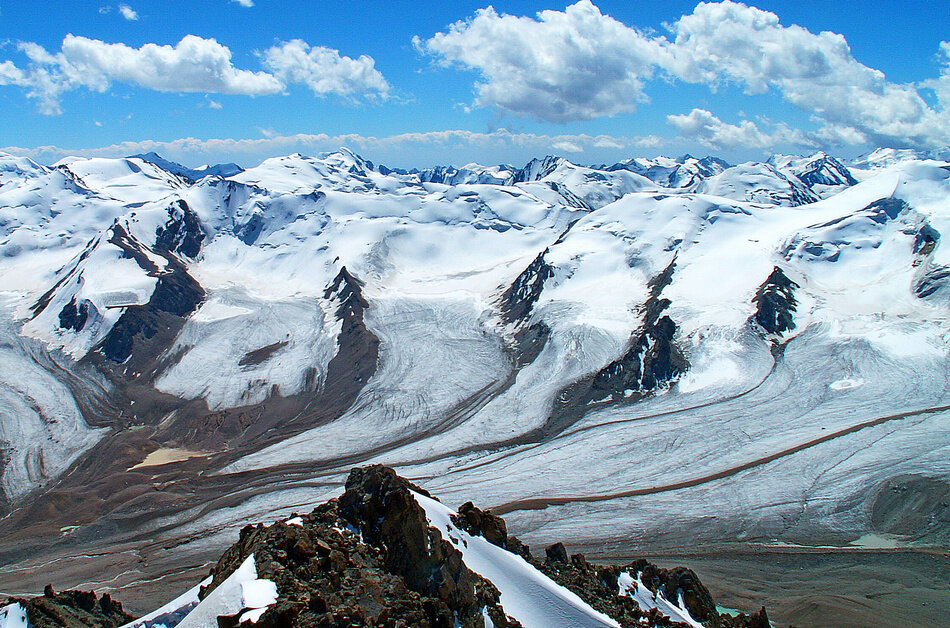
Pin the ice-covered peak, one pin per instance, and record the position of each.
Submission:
(347, 159)
(887, 157)
(503, 174)
(130, 180)
(218, 170)
(12, 166)
(538, 169)
(821, 172)
(758, 183)
(685, 172)
(339, 170)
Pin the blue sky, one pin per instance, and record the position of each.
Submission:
(397, 82)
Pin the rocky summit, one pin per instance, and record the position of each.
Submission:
(381, 554)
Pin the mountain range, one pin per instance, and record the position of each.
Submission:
(622, 355)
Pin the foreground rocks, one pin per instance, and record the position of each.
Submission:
(75, 609)
(370, 558)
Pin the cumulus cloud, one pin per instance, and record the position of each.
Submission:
(324, 70)
(128, 12)
(194, 64)
(702, 126)
(941, 86)
(734, 43)
(567, 147)
(244, 3)
(573, 65)
(581, 64)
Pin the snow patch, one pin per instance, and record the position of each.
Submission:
(526, 594)
(13, 616)
(647, 600)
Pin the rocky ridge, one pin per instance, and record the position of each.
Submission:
(371, 558)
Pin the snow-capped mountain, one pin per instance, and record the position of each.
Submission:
(822, 173)
(195, 174)
(685, 172)
(887, 157)
(592, 350)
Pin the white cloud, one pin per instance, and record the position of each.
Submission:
(194, 64)
(941, 86)
(214, 104)
(453, 142)
(10, 74)
(709, 130)
(324, 70)
(567, 147)
(573, 65)
(128, 13)
(840, 135)
(734, 43)
(581, 64)
(244, 3)
(702, 126)
(607, 142)
(105, 10)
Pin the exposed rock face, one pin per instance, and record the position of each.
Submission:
(75, 609)
(651, 361)
(825, 170)
(74, 316)
(367, 559)
(370, 558)
(358, 352)
(143, 331)
(519, 299)
(775, 304)
(182, 233)
(482, 523)
(537, 169)
(599, 586)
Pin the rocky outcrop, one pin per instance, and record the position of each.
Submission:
(482, 523)
(144, 331)
(519, 299)
(358, 349)
(75, 609)
(652, 359)
(370, 558)
(775, 304)
(599, 585)
(181, 234)
(366, 559)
